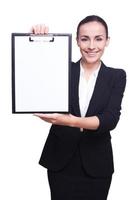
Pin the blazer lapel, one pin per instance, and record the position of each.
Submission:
(75, 74)
(99, 91)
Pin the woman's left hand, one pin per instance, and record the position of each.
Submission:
(58, 119)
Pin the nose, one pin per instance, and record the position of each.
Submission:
(91, 45)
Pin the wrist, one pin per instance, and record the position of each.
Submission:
(74, 121)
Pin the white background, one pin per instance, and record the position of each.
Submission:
(22, 136)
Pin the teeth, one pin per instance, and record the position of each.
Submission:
(90, 52)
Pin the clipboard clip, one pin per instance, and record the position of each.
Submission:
(41, 38)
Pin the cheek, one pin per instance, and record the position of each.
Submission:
(80, 45)
(102, 46)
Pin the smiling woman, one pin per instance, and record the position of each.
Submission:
(92, 38)
(78, 151)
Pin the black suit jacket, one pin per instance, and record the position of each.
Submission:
(95, 145)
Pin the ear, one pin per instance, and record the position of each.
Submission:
(107, 42)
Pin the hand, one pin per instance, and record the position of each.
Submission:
(40, 29)
(58, 119)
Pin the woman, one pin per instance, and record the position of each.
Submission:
(78, 152)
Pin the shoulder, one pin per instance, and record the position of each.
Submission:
(113, 76)
(113, 72)
(75, 68)
(107, 69)
(75, 64)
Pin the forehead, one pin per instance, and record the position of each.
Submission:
(92, 29)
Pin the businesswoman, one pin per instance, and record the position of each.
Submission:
(78, 151)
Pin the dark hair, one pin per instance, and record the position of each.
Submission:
(92, 18)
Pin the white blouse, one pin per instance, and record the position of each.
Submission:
(86, 89)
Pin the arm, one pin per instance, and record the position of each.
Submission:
(91, 123)
(111, 114)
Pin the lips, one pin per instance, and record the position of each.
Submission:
(92, 54)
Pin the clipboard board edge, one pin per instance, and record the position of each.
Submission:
(13, 35)
(13, 72)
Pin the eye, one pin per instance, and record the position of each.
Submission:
(99, 39)
(84, 39)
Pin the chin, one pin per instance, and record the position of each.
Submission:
(92, 61)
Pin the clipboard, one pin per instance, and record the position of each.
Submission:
(41, 67)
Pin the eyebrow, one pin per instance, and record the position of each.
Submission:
(86, 36)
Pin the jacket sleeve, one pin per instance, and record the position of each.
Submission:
(111, 114)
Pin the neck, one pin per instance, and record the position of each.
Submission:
(89, 69)
(90, 66)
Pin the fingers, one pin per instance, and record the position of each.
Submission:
(39, 29)
(55, 118)
(50, 118)
(52, 115)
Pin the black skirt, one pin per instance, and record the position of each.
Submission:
(73, 183)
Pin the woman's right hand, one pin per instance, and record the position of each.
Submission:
(39, 29)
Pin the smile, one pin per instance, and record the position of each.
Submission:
(92, 54)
